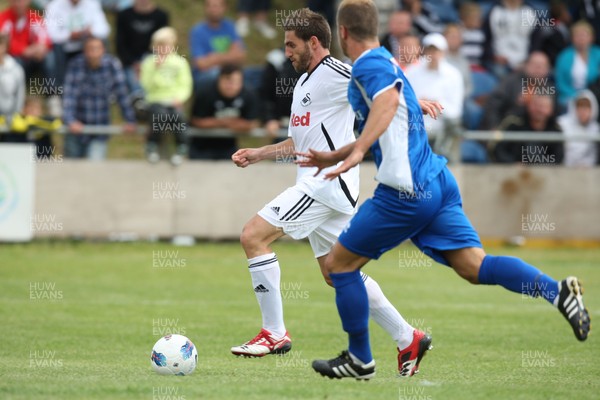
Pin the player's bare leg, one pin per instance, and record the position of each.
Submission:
(342, 260)
(466, 262)
(258, 235)
(515, 275)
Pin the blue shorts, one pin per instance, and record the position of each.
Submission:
(432, 218)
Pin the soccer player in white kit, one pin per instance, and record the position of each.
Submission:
(321, 118)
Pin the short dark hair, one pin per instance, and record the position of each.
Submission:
(222, 1)
(580, 100)
(360, 17)
(548, 96)
(306, 24)
(93, 39)
(228, 69)
(467, 8)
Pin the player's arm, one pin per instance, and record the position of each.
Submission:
(380, 116)
(244, 157)
(272, 151)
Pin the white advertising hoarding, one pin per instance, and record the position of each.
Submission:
(17, 181)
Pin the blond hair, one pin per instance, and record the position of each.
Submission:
(165, 35)
(583, 24)
(360, 17)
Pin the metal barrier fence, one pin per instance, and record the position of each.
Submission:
(496, 135)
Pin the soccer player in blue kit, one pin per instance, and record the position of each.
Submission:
(417, 198)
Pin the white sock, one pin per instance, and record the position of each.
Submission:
(386, 315)
(266, 275)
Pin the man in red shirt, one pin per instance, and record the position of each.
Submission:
(29, 42)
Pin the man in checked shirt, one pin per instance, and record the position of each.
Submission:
(92, 81)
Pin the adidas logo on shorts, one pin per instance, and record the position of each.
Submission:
(275, 210)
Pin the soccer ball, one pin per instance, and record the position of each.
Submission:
(174, 355)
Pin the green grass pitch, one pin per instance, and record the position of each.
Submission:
(78, 321)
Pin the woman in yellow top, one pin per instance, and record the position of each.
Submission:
(167, 80)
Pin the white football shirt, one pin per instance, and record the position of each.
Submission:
(322, 119)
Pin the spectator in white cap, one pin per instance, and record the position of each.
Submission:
(435, 79)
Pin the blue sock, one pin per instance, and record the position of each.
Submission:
(353, 307)
(517, 276)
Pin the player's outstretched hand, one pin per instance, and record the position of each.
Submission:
(351, 161)
(324, 159)
(431, 108)
(244, 157)
(319, 159)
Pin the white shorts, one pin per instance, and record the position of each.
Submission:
(300, 216)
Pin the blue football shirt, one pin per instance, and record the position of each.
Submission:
(402, 153)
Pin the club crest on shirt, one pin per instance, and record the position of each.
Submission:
(306, 100)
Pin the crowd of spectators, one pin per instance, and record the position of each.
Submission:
(511, 65)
